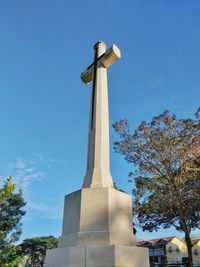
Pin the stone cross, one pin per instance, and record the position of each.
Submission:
(97, 222)
(98, 162)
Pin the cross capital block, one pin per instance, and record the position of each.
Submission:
(105, 60)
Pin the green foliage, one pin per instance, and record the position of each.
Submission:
(35, 248)
(12, 257)
(165, 154)
(11, 212)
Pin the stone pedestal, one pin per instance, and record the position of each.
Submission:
(97, 231)
(97, 216)
(98, 256)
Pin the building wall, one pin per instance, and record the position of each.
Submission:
(196, 253)
(175, 250)
(172, 252)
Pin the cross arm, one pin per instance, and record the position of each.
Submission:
(106, 60)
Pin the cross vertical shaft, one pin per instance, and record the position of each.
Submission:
(98, 165)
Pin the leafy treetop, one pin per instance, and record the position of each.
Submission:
(165, 154)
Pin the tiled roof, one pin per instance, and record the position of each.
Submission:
(155, 242)
(195, 241)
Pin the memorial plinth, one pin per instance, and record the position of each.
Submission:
(97, 223)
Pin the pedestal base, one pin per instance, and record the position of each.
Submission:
(98, 256)
(97, 216)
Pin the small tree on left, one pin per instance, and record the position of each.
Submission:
(11, 213)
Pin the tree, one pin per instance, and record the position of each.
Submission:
(165, 154)
(11, 213)
(13, 257)
(35, 248)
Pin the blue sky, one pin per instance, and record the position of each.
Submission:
(44, 46)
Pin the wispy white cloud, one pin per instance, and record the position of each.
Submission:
(46, 210)
(44, 159)
(23, 172)
(156, 82)
(26, 171)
